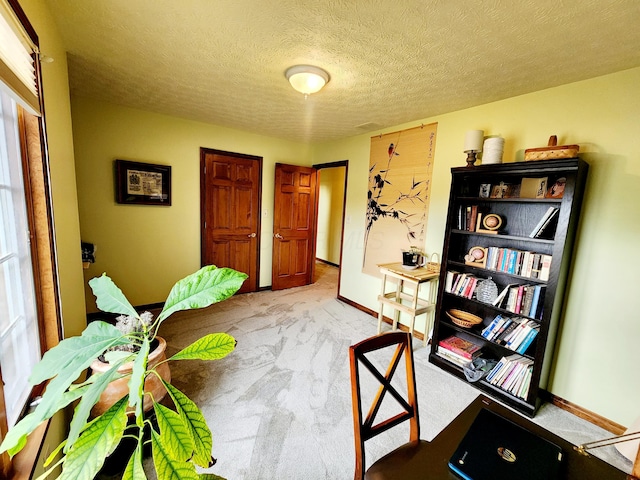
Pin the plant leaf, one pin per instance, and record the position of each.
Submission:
(98, 441)
(210, 347)
(114, 356)
(16, 438)
(88, 400)
(210, 476)
(166, 467)
(136, 381)
(196, 424)
(134, 470)
(175, 433)
(109, 298)
(77, 352)
(50, 471)
(66, 361)
(208, 285)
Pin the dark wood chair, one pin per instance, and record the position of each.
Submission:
(408, 460)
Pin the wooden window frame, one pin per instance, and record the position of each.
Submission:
(35, 164)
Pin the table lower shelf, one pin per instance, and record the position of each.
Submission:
(390, 299)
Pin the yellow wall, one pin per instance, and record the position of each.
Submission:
(146, 249)
(330, 201)
(63, 177)
(598, 341)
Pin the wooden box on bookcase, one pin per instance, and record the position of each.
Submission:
(528, 258)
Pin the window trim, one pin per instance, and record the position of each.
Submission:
(36, 172)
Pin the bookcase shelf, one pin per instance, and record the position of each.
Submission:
(521, 240)
(503, 237)
(469, 301)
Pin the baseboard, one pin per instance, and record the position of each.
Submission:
(374, 314)
(357, 306)
(576, 410)
(327, 262)
(585, 414)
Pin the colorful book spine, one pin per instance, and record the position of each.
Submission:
(545, 267)
(487, 331)
(460, 346)
(512, 374)
(452, 357)
(528, 340)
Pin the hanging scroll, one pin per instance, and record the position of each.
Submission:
(400, 170)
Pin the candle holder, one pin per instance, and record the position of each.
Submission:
(472, 145)
(471, 157)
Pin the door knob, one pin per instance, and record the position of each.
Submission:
(252, 235)
(278, 236)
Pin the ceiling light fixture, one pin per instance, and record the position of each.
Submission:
(306, 79)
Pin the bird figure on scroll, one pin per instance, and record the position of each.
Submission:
(392, 150)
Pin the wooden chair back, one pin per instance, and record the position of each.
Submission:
(367, 427)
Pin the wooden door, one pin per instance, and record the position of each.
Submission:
(294, 224)
(230, 213)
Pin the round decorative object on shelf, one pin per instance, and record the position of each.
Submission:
(492, 221)
(487, 291)
(463, 319)
(476, 254)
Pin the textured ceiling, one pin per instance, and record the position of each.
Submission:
(390, 62)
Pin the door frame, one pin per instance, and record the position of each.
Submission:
(320, 166)
(203, 152)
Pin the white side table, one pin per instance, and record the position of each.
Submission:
(409, 303)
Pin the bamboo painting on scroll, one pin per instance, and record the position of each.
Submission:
(400, 170)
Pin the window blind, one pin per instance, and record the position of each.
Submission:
(17, 53)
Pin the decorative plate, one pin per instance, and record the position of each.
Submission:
(492, 221)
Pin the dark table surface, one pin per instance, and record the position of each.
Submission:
(436, 457)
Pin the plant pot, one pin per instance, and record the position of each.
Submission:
(120, 387)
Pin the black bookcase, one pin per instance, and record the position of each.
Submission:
(520, 216)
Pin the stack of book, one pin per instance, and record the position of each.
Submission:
(513, 374)
(522, 300)
(461, 284)
(458, 350)
(514, 333)
(467, 217)
(519, 262)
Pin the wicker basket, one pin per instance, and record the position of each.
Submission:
(552, 151)
(463, 319)
(432, 265)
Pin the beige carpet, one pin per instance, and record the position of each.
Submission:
(279, 406)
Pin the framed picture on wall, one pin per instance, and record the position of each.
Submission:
(142, 183)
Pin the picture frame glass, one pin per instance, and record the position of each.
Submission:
(142, 183)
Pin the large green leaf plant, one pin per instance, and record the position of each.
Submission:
(181, 438)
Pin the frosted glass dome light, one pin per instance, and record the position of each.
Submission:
(306, 79)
